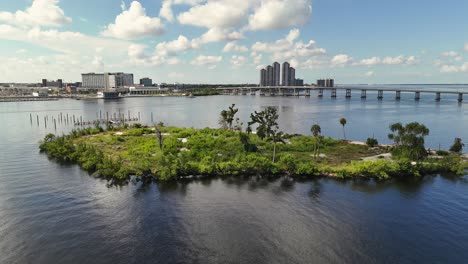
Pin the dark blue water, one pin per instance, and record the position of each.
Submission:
(51, 213)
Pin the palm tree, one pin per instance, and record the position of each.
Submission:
(343, 123)
(316, 131)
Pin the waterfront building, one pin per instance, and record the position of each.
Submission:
(326, 83)
(273, 75)
(94, 80)
(276, 74)
(299, 82)
(285, 74)
(263, 77)
(47, 83)
(291, 77)
(146, 82)
(269, 75)
(106, 80)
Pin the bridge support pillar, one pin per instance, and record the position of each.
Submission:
(363, 94)
(437, 97)
(307, 92)
(348, 93)
(417, 96)
(320, 93)
(296, 93)
(398, 95)
(460, 97)
(333, 93)
(379, 94)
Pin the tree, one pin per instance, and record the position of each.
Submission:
(227, 117)
(343, 123)
(267, 126)
(316, 131)
(457, 145)
(409, 140)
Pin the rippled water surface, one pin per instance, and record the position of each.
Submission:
(51, 213)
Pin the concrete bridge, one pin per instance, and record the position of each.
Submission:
(333, 91)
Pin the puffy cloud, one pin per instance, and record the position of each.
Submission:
(166, 11)
(278, 14)
(399, 60)
(369, 61)
(66, 42)
(466, 47)
(40, 13)
(232, 46)
(217, 35)
(304, 55)
(206, 60)
(449, 54)
(172, 47)
(454, 68)
(134, 23)
(341, 60)
(257, 58)
(216, 14)
(238, 61)
(138, 56)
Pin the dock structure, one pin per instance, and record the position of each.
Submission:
(334, 91)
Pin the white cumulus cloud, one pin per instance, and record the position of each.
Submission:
(216, 14)
(206, 60)
(172, 47)
(278, 14)
(134, 23)
(232, 46)
(238, 61)
(341, 60)
(40, 13)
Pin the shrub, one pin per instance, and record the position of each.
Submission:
(457, 145)
(287, 164)
(442, 153)
(371, 142)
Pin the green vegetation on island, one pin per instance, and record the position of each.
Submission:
(165, 153)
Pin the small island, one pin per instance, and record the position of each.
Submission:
(164, 153)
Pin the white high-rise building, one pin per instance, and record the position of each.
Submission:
(93, 80)
(106, 80)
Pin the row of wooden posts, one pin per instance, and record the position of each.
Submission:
(75, 120)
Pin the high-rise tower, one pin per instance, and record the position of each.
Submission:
(285, 74)
(276, 74)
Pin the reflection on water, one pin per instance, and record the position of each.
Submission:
(53, 213)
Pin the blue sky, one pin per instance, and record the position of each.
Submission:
(225, 41)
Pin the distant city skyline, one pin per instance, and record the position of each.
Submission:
(224, 41)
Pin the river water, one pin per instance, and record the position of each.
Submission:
(51, 213)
